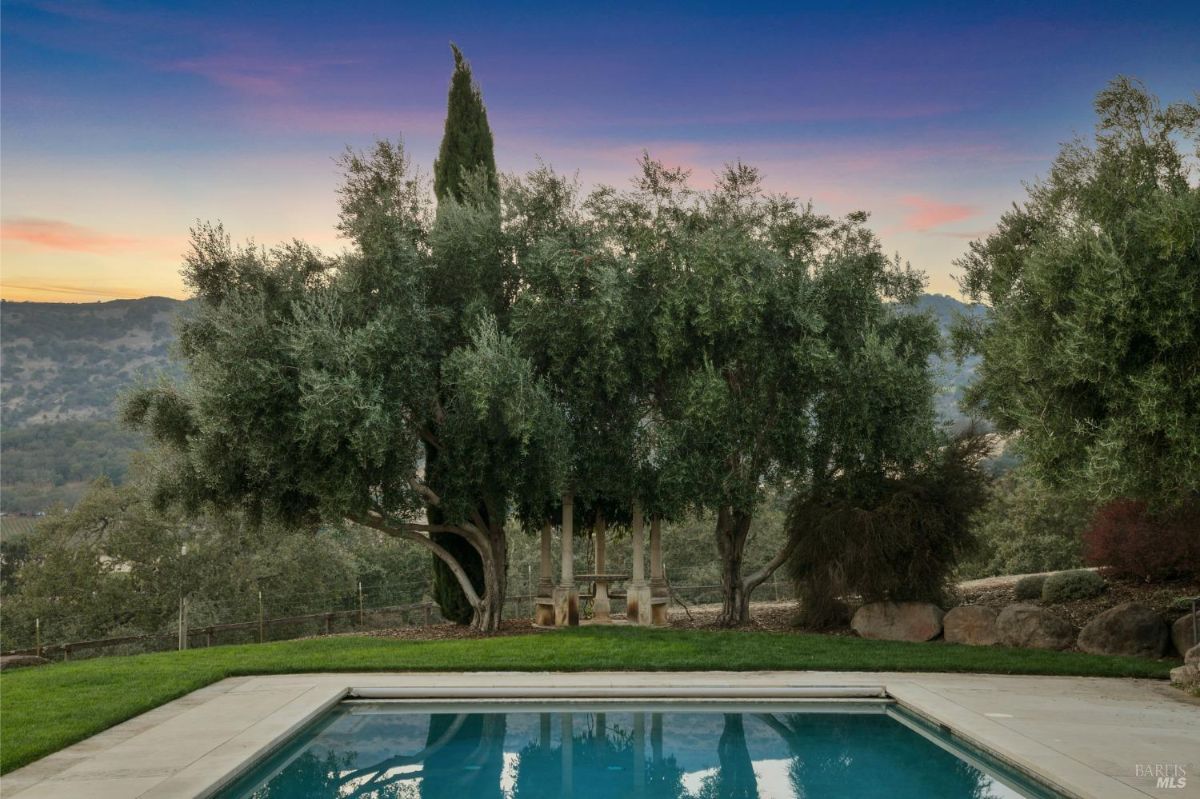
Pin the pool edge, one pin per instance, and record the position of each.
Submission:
(241, 720)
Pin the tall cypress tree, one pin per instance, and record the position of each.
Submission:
(466, 146)
(467, 141)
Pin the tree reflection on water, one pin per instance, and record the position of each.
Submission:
(590, 756)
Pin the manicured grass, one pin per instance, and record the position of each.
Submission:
(44, 709)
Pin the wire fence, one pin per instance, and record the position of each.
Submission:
(342, 612)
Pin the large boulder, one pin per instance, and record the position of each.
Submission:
(898, 621)
(1182, 635)
(17, 661)
(971, 624)
(1188, 675)
(1128, 629)
(1035, 627)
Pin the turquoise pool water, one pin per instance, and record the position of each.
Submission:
(391, 750)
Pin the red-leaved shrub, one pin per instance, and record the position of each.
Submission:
(1126, 540)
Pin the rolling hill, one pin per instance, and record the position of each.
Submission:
(64, 365)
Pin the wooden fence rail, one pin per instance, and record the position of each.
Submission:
(209, 631)
(326, 617)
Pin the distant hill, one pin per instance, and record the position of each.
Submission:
(66, 361)
(63, 366)
(952, 376)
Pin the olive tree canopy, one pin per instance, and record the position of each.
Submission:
(1092, 337)
(317, 383)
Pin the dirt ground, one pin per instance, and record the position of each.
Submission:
(1163, 597)
(780, 616)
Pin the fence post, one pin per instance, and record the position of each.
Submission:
(328, 623)
(428, 613)
(360, 604)
(183, 636)
(37, 636)
(260, 616)
(208, 634)
(66, 650)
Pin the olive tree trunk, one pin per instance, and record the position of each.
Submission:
(733, 527)
(490, 608)
(489, 541)
(732, 531)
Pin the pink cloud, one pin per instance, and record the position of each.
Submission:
(925, 213)
(255, 74)
(53, 234)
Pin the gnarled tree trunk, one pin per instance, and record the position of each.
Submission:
(733, 527)
(732, 530)
(488, 541)
(490, 607)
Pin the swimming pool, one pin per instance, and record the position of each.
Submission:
(814, 750)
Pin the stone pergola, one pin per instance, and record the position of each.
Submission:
(557, 605)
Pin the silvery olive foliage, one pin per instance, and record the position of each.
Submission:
(678, 350)
(767, 347)
(318, 384)
(1091, 340)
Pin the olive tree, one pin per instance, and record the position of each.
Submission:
(576, 318)
(759, 313)
(1092, 334)
(319, 387)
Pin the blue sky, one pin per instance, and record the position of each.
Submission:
(123, 123)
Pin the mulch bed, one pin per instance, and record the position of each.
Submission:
(1163, 597)
(781, 616)
(445, 631)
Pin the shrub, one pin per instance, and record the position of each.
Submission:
(897, 537)
(1029, 587)
(1127, 540)
(1072, 585)
(1027, 526)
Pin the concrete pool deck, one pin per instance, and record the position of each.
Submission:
(1085, 736)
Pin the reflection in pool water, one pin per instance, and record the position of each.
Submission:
(393, 751)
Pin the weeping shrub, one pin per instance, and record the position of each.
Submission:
(889, 537)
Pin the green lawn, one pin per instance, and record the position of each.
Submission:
(44, 709)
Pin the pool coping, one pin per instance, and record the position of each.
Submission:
(203, 742)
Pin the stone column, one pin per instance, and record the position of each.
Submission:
(601, 606)
(566, 597)
(639, 607)
(543, 603)
(658, 580)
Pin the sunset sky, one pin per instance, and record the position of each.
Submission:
(123, 123)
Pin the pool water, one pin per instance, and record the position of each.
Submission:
(395, 750)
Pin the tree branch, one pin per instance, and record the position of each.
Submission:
(762, 575)
(424, 491)
(409, 532)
